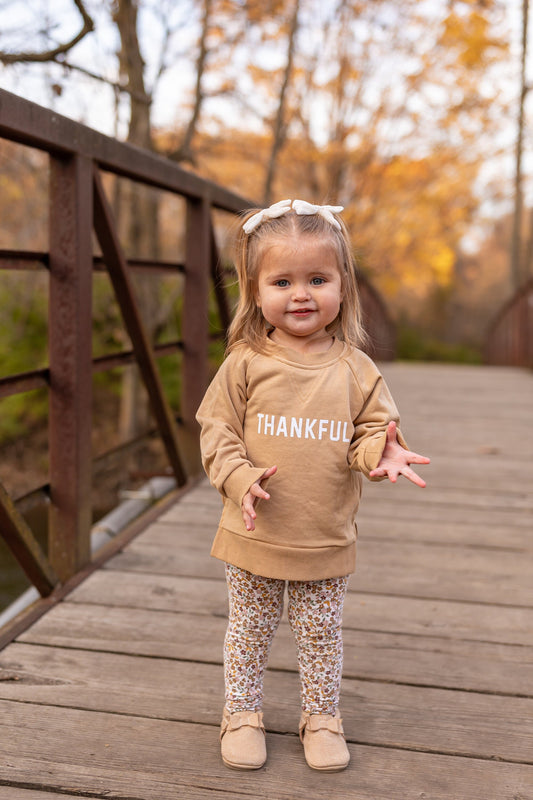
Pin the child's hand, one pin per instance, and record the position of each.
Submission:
(251, 496)
(395, 460)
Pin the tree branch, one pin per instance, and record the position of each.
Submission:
(53, 53)
(117, 85)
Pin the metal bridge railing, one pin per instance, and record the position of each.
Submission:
(79, 210)
(510, 337)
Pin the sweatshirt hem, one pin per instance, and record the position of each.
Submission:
(280, 562)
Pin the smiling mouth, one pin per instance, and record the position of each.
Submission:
(301, 311)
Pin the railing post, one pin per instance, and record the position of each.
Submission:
(70, 332)
(195, 322)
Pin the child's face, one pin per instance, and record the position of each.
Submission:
(299, 291)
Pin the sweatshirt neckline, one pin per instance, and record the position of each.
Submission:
(289, 356)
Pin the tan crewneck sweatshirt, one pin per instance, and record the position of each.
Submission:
(321, 419)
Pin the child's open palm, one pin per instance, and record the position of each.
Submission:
(395, 460)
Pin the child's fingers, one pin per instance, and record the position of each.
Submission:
(254, 493)
(248, 521)
(248, 512)
(412, 476)
(269, 472)
(257, 491)
(248, 505)
(391, 431)
(414, 458)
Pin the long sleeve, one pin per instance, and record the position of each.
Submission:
(371, 423)
(221, 417)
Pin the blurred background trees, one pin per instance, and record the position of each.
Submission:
(405, 113)
(413, 114)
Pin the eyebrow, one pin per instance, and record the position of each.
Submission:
(279, 273)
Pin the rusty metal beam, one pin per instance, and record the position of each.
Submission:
(70, 331)
(218, 275)
(23, 260)
(195, 333)
(144, 265)
(24, 382)
(28, 123)
(122, 359)
(25, 547)
(509, 339)
(124, 292)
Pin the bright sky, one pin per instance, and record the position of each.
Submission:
(83, 98)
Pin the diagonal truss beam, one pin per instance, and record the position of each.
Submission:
(25, 547)
(124, 292)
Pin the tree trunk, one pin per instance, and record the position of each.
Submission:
(185, 152)
(280, 125)
(516, 240)
(139, 210)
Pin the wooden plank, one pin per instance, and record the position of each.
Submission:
(194, 530)
(13, 793)
(462, 411)
(390, 715)
(437, 674)
(418, 569)
(187, 793)
(478, 470)
(514, 503)
(475, 621)
(197, 528)
(160, 760)
(378, 525)
(196, 525)
(445, 572)
(396, 657)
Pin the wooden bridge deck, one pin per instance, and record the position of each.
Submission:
(117, 691)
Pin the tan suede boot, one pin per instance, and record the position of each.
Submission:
(242, 737)
(323, 740)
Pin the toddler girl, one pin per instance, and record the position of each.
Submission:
(297, 405)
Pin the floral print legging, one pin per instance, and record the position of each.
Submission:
(315, 616)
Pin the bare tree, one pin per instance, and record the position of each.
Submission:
(516, 237)
(136, 209)
(52, 53)
(279, 131)
(185, 152)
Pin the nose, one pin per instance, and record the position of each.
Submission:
(300, 292)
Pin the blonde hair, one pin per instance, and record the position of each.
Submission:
(248, 325)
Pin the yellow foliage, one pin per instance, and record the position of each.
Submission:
(406, 216)
(470, 37)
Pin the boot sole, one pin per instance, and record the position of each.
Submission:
(231, 765)
(336, 768)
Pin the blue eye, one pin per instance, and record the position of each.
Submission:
(317, 281)
(282, 283)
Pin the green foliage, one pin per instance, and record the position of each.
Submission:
(23, 347)
(170, 372)
(415, 346)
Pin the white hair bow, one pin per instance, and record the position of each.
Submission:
(303, 207)
(300, 206)
(275, 210)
